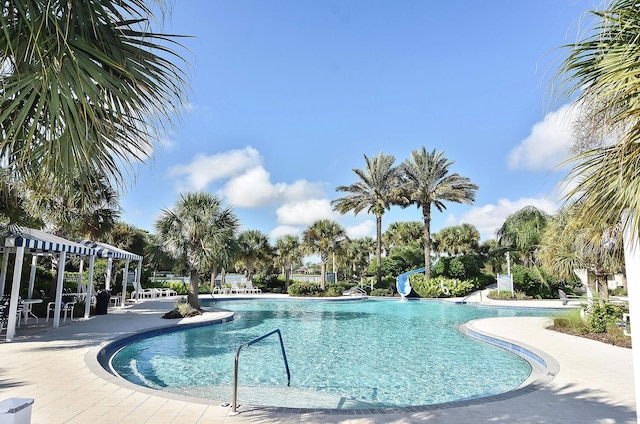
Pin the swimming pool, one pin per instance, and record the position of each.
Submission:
(354, 354)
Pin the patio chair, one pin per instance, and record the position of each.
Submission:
(67, 303)
(238, 289)
(250, 289)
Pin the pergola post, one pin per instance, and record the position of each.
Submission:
(80, 284)
(60, 283)
(125, 277)
(3, 270)
(138, 286)
(108, 274)
(15, 293)
(32, 275)
(87, 305)
(632, 267)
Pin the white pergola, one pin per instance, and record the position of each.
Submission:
(22, 240)
(108, 252)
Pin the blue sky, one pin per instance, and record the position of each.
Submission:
(288, 96)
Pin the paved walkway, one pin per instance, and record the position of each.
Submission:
(59, 370)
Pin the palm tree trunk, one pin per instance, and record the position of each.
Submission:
(193, 289)
(323, 273)
(378, 250)
(426, 217)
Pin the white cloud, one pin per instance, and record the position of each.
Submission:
(549, 141)
(284, 230)
(364, 229)
(251, 189)
(305, 212)
(300, 190)
(489, 218)
(205, 169)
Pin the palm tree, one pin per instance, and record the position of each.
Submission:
(358, 255)
(84, 86)
(457, 240)
(288, 254)
(323, 237)
(426, 182)
(223, 256)
(191, 229)
(521, 232)
(568, 245)
(400, 234)
(374, 192)
(253, 247)
(602, 69)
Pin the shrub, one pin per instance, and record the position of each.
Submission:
(381, 292)
(601, 317)
(185, 309)
(299, 288)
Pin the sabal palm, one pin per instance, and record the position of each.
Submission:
(427, 181)
(288, 254)
(568, 244)
(323, 237)
(191, 229)
(375, 192)
(253, 247)
(522, 232)
(358, 254)
(85, 85)
(603, 69)
(84, 206)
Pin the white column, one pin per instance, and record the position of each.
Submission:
(3, 270)
(125, 277)
(138, 279)
(87, 305)
(80, 284)
(15, 293)
(107, 278)
(60, 283)
(632, 266)
(32, 275)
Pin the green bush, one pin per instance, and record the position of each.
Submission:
(304, 289)
(602, 317)
(381, 292)
(440, 286)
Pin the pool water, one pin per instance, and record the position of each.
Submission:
(347, 354)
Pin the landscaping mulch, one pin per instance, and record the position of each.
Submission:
(612, 339)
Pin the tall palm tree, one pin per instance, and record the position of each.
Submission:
(428, 182)
(191, 229)
(374, 192)
(85, 86)
(253, 247)
(288, 254)
(522, 231)
(323, 237)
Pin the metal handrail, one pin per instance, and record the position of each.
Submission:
(235, 374)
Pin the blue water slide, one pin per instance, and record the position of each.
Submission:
(402, 281)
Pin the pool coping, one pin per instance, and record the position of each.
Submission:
(544, 369)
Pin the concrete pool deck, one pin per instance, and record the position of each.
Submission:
(59, 370)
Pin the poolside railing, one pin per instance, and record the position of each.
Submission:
(234, 408)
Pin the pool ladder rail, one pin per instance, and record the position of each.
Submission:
(234, 407)
(356, 292)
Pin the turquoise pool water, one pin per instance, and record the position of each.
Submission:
(376, 353)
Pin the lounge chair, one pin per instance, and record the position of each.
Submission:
(250, 289)
(238, 289)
